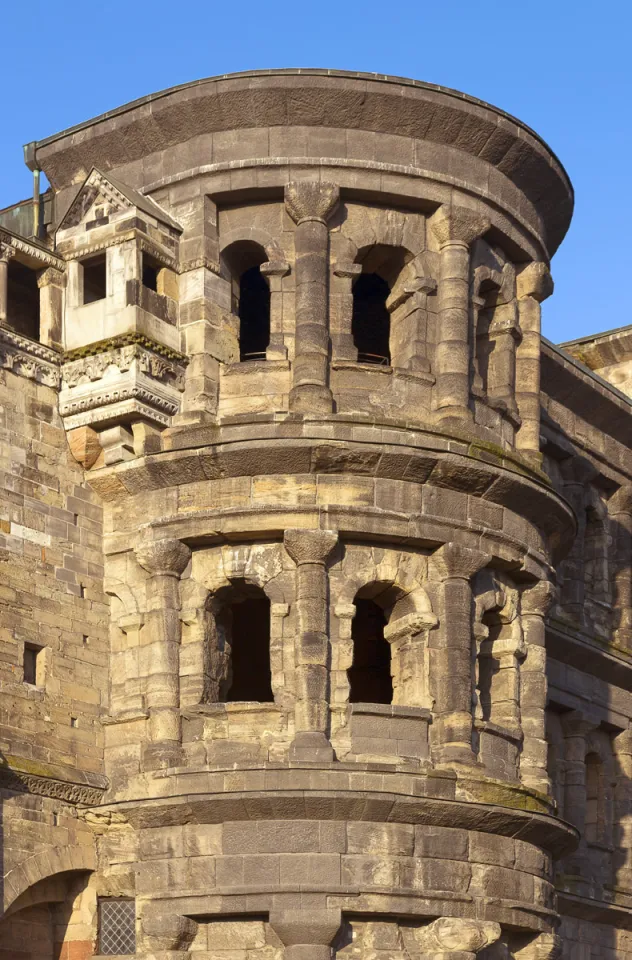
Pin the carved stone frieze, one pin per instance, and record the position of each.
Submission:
(29, 359)
(20, 782)
(119, 380)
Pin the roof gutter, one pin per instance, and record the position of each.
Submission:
(31, 162)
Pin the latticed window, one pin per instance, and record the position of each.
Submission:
(117, 927)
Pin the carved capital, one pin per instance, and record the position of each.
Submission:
(163, 557)
(294, 927)
(449, 935)
(577, 724)
(6, 250)
(309, 546)
(311, 200)
(546, 946)
(534, 281)
(274, 268)
(168, 932)
(51, 277)
(457, 224)
(453, 561)
(409, 626)
(538, 599)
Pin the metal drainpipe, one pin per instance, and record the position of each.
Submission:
(31, 162)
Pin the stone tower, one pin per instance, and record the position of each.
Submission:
(272, 392)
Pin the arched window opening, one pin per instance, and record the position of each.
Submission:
(254, 315)
(23, 300)
(250, 297)
(369, 676)
(371, 321)
(244, 632)
(594, 823)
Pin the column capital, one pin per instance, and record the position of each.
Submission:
(311, 200)
(309, 546)
(538, 599)
(51, 277)
(454, 561)
(456, 935)
(534, 281)
(6, 250)
(456, 224)
(577, 724)
(167, 557)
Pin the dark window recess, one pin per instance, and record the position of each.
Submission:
(254, 315)
(31, 654)
(117, 927)
(94, 282)
(150, 274)
(371, 322)
(23, 300)
(369, 676)
(250, 651)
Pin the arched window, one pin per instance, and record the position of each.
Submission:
(371, 322)
(254, 315)
(369, 676)
(244, 634)
(250, 297)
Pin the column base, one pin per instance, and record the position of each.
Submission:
(311, 398)
(312, 747)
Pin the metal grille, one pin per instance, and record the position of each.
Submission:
(117, 927)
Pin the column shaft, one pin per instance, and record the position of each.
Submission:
(534, 284)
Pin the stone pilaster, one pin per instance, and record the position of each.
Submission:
(6, 253)
(577, 473)
(453, 938)
(451, 676)
(51, 283)
(407, 638)
(576, 727)
(310, 550)
(534, 284)
(620, 511)
(306, 934)
(535, 603)
(165, 561)
(506, 335)
(311, 204)
(455, 228)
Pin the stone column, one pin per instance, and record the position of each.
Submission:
(165, 561)
(452, 938)
(533, 285)
(6, 252)
(455, 228)
(51, 283)
(620, 511)
(311, 204)
(577, 474)
(451, 679)
(535, 602)
(622, 858)
(576, 727)
(306, 934)
(310, 550)
(505, 332)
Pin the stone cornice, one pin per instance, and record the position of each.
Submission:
(28, 358)
(146, 243)
(32, 250)
(88, 792)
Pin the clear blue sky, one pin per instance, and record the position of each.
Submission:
(562, 67)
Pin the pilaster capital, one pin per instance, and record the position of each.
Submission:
(534, 281)
(456, 224)
(577, 724)
(449, 935)
(620, 503)
(454, 561)
(309, 546)
(546, 946)
(166, 557)
(578, 470)
(274, 268)
(409, 626)
(51, 277)
(311, 200)
(6, 249)
(538, 599)
(313, 927)
(168, 932)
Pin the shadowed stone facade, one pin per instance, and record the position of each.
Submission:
(315, 558)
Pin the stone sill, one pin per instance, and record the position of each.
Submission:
(336, 766)
(234, 706)
(253, 366)
(391, 710)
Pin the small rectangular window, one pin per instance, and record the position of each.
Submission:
(150, 273)
(117, 927)
(33, 665)
(94, 279)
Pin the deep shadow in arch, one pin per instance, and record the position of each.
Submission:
(369, 675)
(370, 321)
(250, 297)
(244, 624)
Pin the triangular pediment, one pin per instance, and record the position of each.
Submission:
(103, 196)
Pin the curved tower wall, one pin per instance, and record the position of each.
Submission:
(359, 761)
